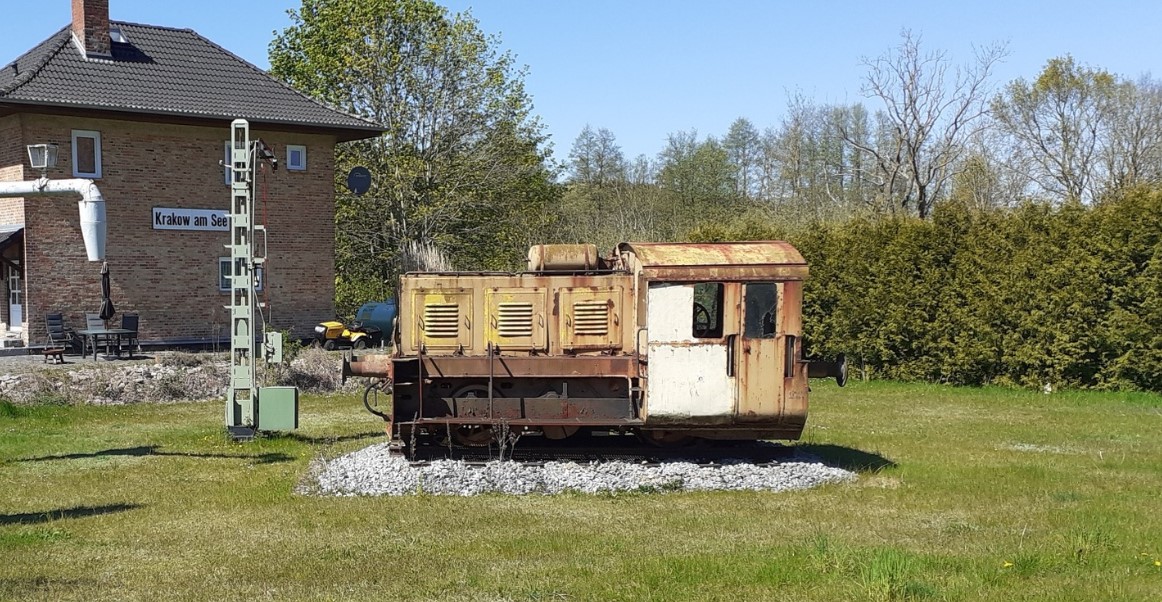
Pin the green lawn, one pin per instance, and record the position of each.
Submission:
(963, 494)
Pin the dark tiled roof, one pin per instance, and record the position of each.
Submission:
(8, 232)
(163, 71)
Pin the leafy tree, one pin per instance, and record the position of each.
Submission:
(596, 159)
(462, 165)
(609, 200)
(698, 173)
(742, 147)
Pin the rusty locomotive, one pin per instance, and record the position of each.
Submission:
(667, 341)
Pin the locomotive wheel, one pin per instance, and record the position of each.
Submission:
(666, 438)
(473, 435)
(556, 433)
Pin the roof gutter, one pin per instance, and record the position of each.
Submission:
(91, 206)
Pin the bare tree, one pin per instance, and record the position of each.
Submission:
(930, 107)
(1133, 151)
(1058, 123)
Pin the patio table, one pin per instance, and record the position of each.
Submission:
(89, 336)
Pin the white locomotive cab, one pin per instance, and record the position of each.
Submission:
(688, 374)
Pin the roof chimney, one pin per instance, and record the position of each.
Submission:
(91, 26)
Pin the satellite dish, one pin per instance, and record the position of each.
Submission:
(359, 180)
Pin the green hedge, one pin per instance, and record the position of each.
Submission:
(1032, 296)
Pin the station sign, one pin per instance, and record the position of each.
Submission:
(170, 218)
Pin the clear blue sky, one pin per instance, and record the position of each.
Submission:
(643, 69)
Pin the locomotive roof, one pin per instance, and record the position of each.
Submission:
(755, 260)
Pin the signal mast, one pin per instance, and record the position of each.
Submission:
(250, 408)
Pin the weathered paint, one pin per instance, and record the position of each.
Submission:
(549, 258)
(687, 376)
(795, 385)
(468, 313)
(516, 318)
(760, 366)
(714, 262)
(605, 343)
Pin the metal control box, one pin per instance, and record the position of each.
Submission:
(278, 408)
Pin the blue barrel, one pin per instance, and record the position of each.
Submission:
(378, 314)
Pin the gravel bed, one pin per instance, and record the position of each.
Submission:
(373, 471)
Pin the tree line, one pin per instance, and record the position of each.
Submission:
(931, 130)
(944, 217)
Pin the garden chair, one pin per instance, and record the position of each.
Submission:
(60, 336)
(94, 322)
(129, 322)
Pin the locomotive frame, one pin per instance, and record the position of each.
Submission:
(672, 341)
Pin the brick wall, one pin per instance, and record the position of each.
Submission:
(170, 277)
(11, 210)
(12, 160)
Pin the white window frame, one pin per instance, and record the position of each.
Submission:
(227, 161)
(224, 262)
(302, 165)
(96, 136)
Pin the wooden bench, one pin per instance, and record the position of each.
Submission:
(56, 353)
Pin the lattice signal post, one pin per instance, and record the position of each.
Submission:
(250, 408)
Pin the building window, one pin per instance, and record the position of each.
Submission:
(224, 274)
(86, 154)
(296, 157)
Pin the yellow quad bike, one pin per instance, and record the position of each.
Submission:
(334, 334)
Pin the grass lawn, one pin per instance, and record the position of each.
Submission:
(963, 494)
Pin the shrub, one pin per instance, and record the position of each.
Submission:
(1035, 295)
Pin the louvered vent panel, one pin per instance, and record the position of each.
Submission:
(442, 320)
(514, 319)
(591, 317)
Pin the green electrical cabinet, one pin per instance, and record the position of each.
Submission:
(278, 408)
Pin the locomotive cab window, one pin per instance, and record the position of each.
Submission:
(761, 305)
(707, 310)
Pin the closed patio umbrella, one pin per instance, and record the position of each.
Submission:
(107, 309)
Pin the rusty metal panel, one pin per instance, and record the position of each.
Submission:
(760, 354)
(541, 408)
(550, 258)
(442, 318)
(541, 422)
(589, 317)
(716, 262)
(794, 385)
(477, 311)
(515, 318)
(373, 366)
(531, 366)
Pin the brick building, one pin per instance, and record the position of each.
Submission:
(145, 112)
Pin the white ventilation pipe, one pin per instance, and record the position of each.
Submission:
(91, 206)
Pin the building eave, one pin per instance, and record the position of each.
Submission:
(342, 133)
